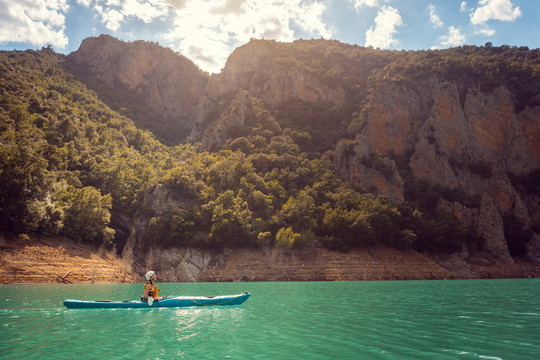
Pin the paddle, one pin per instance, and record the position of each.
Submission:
(150, 300)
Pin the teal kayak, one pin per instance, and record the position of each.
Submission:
(172, 301)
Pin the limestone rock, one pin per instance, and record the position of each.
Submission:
(490, 226)
(359, 164)
(395, 115)
(180, 264)
(158, 198)
(250, 68)
(529, 119)
(457, 137)
(234, 117)
(465, 215)
(533, 249)
(170, 84)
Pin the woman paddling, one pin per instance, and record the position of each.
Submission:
(151, 291)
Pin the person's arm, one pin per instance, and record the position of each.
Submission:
(161, 297)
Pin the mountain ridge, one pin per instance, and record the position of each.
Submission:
(169, 84)
(447, 136)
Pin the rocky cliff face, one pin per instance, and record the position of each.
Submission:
(257, 70)
(448, 132)
(477, 145)
(168, 83)
(366, 168)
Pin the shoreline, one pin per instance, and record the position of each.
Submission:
(45, 261)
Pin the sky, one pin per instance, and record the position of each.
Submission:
(207, 31)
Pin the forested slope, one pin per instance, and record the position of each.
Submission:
(302, 145)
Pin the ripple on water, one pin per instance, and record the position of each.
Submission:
(360, 320)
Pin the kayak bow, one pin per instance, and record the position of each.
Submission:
(172, 301)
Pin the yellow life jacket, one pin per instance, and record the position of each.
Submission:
(154, 290)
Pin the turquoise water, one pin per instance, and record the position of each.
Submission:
(459, 319)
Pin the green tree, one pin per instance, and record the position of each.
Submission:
(24, 180)
(231, 221)
(287, 238)
(87, 217)
(300, 210)
(260, 204)
(441, 234)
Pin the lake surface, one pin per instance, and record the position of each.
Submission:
(451, 319)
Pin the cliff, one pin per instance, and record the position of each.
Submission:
(477, 146)
(476, 137)
(46, 261)
(264, 70)
(168, 84)
(289, 136)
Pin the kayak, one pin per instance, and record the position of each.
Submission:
(172, 301)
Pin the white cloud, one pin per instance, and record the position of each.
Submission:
(230, 7)
(382, 35)
(177, 4)
(309, 18)
(495, 10)
(146, 11)
(434, 17)
(35, 22)
(454, 38)
(358, 4)
(368, 3)
(85, 3)
(111, 18)
(114, 13)
(463, 7)
(207, 33)
(485, 31)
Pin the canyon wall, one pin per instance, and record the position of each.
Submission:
(169, 84)
(452, 133)
(477, 146)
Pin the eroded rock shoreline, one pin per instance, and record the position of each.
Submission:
(52, 262)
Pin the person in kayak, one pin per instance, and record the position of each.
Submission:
(150, 289)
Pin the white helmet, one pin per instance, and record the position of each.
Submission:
(149, 275)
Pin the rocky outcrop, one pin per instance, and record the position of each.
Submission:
(490, 225)
(233, 117)
(158, 199)
(182, 264)
(448, 131)
(155, 201)
(169, 84)
(366, 169)
(272, 264)
(476, 145)
(260, 68)
(257, 70)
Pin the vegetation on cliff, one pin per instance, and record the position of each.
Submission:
(68, 162)
(154, 86)
(485, 66)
